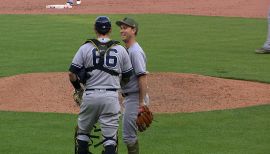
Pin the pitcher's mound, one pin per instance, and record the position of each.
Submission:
(169, 92)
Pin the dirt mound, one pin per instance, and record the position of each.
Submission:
(174, 92)
(169, 92)
(238, 8)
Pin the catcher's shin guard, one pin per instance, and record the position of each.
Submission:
(81, 147)
(110, 149)
(134, 148)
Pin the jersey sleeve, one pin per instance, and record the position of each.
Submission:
(126, 67)
(138, 61)
(77, 62)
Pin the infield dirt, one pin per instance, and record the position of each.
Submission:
(169, 92)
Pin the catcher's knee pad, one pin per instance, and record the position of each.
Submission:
(113, 140)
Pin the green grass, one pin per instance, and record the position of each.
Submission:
(238, 131)
(214, 46)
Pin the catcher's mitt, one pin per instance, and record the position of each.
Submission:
(144, 119)
(77, 96)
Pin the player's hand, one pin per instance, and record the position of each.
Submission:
(145, 101)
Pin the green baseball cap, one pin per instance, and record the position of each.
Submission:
(128, 21)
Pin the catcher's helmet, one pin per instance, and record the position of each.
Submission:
(103, 25)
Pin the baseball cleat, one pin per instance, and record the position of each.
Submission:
(262, 51)
(79, 2)
(69, 3)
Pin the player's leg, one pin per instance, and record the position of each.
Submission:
(133, 148)
(131, 104)
(266, 46)
(267, 43)
(86, 120)
(109, 121)
(79, 2)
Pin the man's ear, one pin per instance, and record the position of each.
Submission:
(134, 30)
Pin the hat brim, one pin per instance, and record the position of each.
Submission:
(119, 23)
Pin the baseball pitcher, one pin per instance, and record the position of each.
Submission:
(100, 64)
(135, 92)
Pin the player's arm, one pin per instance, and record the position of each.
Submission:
(142, 80)
(127, 67)
(74, 70)
(74, 81)
(126, 77)
(138, 60)
(139, 64)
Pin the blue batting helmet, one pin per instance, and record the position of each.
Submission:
(103, 25)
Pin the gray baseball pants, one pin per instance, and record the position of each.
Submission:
(267, 43)
(131, 105)
(103, 107)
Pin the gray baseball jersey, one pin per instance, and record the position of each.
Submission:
(138, 61)
(117, 59)
(131, 101)
(99, 102)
